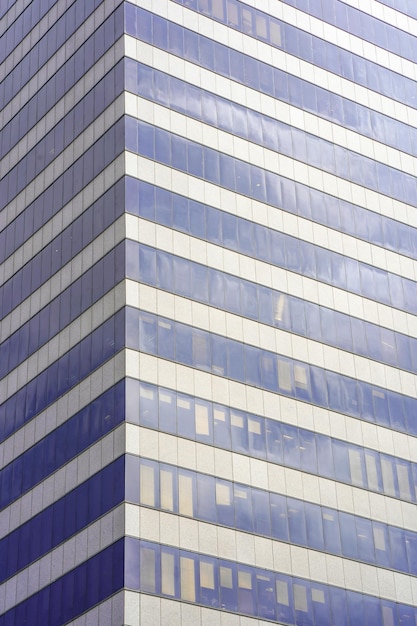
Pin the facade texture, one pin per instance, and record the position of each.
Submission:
(208, 303)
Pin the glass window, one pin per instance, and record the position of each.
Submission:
(348, 535)
(365, 539)
(381, 543)
(314, 526)
(355, 463)
(167, 489)
(265, 595)
(296, 521)
(300, 598)
(239, 427)
(387, 476)
(224, 503)
(331, 531)
(284, 375)
(185, 494)
(147, 485)
(168, 576)
(147, 569)
(404, 480)
(206, 506)
(148, 408)
(187, 579)
(202, 421)
(228, 587)
(373, 470)
(167, 411)
(209, 588)
(243, 508)
(261, 512)
(221, 427)
(185, 416)
(246, 596)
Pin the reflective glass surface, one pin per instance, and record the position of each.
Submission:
(211, 499)
(406, 6)
(269, 80)
(67, 75)
(267, 370)
(275, 135)
(63, 444)
(239, 431)
(236, 587)
(333, 12)
(62, 310)
(58, 522)
(81, 589)
(363, 25)
(64, 133)
(286, 251)
(308, 47)
(65, 187)
(29, 17)
(44, 48)
(62, 375)
(268, 306)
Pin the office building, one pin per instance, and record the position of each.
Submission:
(208, 241)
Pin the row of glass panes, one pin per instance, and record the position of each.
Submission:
(270, 80)
(362, 24)
(22, 25)
(217, 583)
(275, 247)
(62, 81)
(269, 439)
(298, 198)
(73, 593)
(64, 309)
(230, 293)
(269, 514)
(60, 30)
(315, 50)
(261, 129)
(65, 132)
(264, 369)
(62, 519)
(235, 233)
(63, 374)
(62, 444)
(406, 6)
(50, 202)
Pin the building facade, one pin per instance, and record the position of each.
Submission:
(208, 242)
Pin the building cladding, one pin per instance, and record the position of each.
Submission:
(208, 265)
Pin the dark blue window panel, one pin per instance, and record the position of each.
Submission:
(62, 519)
(194, 418)
(64, 188)
(44, 49)
(74, 593)
(29, 17)
(251, 591)
(63, 374)
(56, 140)
(63, 444)
(76, 299)
(79, 63)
